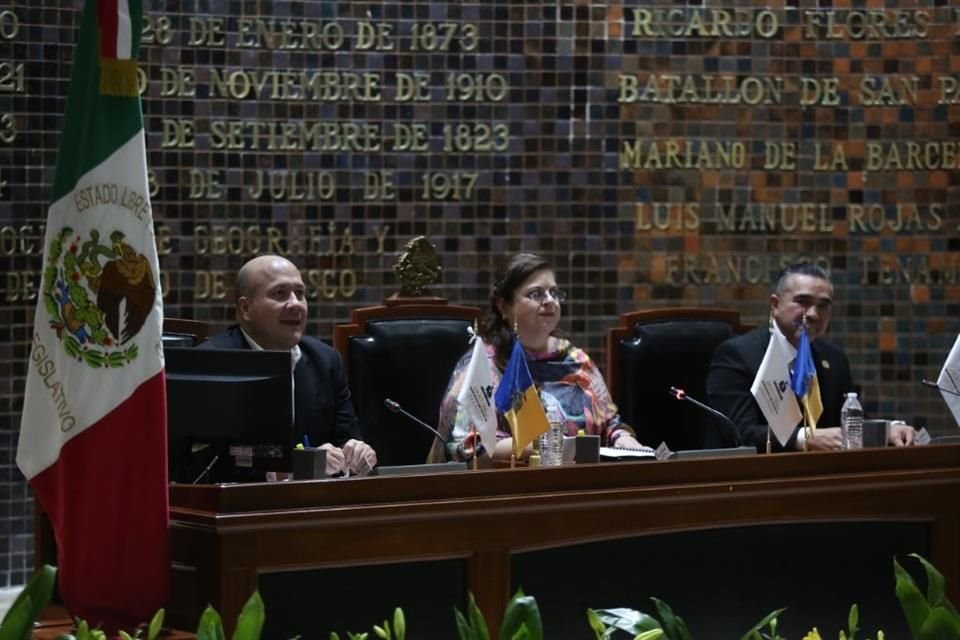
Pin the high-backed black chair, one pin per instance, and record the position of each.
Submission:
(404, 352)
(651, 351)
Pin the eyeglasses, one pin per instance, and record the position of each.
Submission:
(539, 295)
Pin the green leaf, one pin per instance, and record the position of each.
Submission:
(463, 629)
(652, 634)
(250, 620)
(915, 608)
(156, 625)
(522, 619)
(380, 632)
(629, 620)
(210, 626)
(673, 625)
(936, 586)
(38, 592)
(17, 623)
(399, 624)
(334, 636)
(596, 624)
(852, 619)
(478, 623)
(124, 635)
(754, 632)
(941, 624)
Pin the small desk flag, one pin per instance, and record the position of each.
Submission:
(476, 395)
(804, 382)
(771, 388)
(949, 381)
(517, 399)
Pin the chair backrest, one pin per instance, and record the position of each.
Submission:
(404, 352)
(651, 351)
(180, 332)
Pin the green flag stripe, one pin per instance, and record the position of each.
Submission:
(95, 125)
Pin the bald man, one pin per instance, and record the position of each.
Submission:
(272, 314)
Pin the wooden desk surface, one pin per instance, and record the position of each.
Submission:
(225, 536)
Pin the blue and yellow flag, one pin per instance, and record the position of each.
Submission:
(517, 399)
(804, 383)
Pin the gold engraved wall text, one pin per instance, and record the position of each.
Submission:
(836, 120)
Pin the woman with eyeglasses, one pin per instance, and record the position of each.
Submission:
(526, 302)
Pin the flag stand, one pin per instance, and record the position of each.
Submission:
(513, 461)
(769, 446)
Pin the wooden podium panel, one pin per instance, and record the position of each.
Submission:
(427, 540)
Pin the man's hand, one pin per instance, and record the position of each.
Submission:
(359, 457)
(901, 435)
(335, 459)
(826, 439)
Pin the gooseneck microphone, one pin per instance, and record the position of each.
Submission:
(934, 385)
(396, 408)
(680, 394)
(206, 469)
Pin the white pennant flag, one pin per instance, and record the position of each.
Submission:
(949, 381)
(476, 395)
(771, 387)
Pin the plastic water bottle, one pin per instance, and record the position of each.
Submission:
(851, 417)
(551, 441)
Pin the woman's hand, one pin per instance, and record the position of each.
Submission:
(626, 441)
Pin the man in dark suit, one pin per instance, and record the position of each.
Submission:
(803, 294)
(272, 314)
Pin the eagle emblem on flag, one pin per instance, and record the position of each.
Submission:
(98, 296)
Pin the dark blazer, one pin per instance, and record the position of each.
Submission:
(734, 366)
(322, 407)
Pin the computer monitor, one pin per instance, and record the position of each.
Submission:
(229, 414)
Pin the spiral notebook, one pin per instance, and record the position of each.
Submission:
(618, 453)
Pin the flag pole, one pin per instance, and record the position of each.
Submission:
(804, 403)
(810, 427)
(769, 446)
(476, 446)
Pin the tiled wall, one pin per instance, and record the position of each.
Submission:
(658, 153)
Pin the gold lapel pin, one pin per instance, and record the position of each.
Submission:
(824, 364)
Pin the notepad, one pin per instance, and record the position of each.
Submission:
(617, 453)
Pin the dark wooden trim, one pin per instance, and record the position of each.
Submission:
(199, 329)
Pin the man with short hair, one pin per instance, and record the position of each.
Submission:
(272, 314)
(803, 296)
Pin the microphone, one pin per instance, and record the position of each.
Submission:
(934, 385)
(207, 469)
(680, 394)
(396, 408)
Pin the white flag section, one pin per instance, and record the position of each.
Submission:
(949, 381)
(772, 389)
(476, 395)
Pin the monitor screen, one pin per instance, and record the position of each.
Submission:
(229, 414)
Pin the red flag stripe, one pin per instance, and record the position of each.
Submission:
(96, 542)
(107, 21)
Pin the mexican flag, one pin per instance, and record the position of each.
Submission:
(93, 430)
